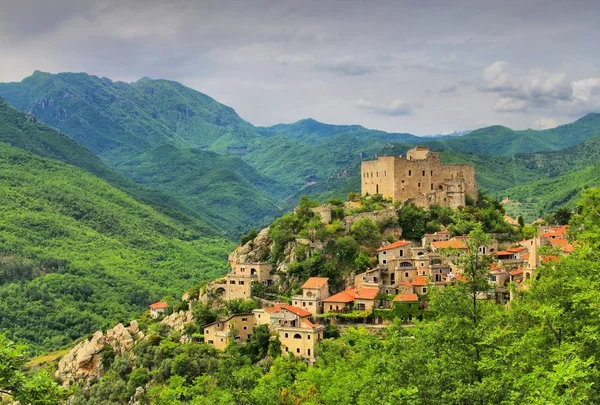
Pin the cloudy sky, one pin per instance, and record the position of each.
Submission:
(420, 66)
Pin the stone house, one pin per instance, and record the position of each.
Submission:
(236, 328)
(157, 309)
(314, 290)
(237, 284)
(361, 299)
(419, 178)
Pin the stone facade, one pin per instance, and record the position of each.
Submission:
(236, 327)
(420, 178)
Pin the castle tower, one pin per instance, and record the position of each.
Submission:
(420, 178)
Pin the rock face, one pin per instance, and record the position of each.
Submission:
(253, 251)
(178, 320)
(84, 361)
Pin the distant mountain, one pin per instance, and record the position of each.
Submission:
(79, 254)
(158, 132)
(499, 140)
(309, 130)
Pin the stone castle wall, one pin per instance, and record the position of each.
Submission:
(420, 178)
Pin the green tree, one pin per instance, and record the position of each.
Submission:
(365, 231)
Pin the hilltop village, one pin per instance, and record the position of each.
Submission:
(368, 261)
(404, 271)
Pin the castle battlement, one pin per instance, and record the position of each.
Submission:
(420, 178)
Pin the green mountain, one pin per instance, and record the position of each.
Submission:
(183, 143)
(202, 178)
(127, 124)
(78, 254)
(499, 140)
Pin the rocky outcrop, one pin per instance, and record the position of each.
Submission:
(84, 361)
(254, 251)
(178, 320)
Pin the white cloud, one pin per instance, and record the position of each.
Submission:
(539, 90)
(544, 123)
(507, 104)
(394, 108)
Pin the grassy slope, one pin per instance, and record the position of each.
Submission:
(89, 254)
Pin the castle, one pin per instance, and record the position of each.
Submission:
(420, 178)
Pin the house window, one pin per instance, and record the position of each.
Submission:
(244, 319)
(406, 274)
(221, 339)
(295, 302)
(245, 328)
(402, 181)
(432, 172)
(360, 306)
(423, 172)
(385, 173)
(337, 307)
(241, 282)
(424, 290)
(402, 253)
(308, 351)
(297, 350)
(422, 264)
(287, 350)
(310, 303)
(231, 281)
(286, 335)
(384, 252)
(207, 332)
(410, 172)
(419, 184)
(297, 336)
(384, 261)
(432, 186)
(308, 337)
(210, 342)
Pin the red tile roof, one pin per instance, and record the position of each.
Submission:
(563, 244)
(504, 253)
(516, 272)
(406, 283)
(550, 259)
(449, 244)
(394, 245)
(406, 298)
(315, 282)
(295, 310)
(420, 281)
(159, 305)
(516, 249)
(367, 293)
(344, 296)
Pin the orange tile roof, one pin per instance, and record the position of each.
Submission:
(406, 283)
(344, 296)
(406, 298)
(419, 281)
(525, 256)
(315, 282)
(563, 244)
(295, 310)
(449, 244)
(516, 249)
(159, 305)
(367, 293)
(461, 277)
(394, 245)
(504, 253)
(516, 272)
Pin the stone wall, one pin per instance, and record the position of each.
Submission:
(420, 178)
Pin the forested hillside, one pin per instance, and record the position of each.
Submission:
(77, 254)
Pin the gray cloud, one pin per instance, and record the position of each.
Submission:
(348, 67)
(538, 89)
(283, 61)
(452, 88)
(395, 108)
